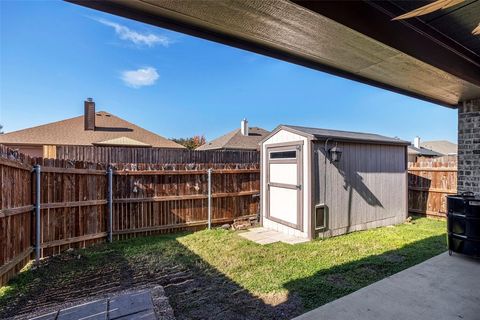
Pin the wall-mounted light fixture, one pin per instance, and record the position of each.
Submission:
(335, 154)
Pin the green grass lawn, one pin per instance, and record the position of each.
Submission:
(313, 273)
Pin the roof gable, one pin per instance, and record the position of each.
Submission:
(235, 140)
(122, 141)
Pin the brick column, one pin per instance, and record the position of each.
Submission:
(469, 147)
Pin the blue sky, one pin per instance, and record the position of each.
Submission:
(54, 54)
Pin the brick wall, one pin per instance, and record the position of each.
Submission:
(469, 147)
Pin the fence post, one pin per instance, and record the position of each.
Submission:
(110, 203)
(37, 171)
(209, 172)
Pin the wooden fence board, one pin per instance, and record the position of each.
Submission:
(148, 198)
(15, 212)
(429, 182)
(154, 155)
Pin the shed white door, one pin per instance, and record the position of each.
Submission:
(284, 189)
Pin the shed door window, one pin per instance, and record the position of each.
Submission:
(283, 154)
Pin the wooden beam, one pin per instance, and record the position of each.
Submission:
(15, 164)
(6, 212)
(173, 226)
(73, 171)
(367, 18)
(12, 263)
(186, 197)
(182, 172)
(62, 242)
(413, 37)
(428, 212)
(72, 204)
(432, 169)
(434, 190)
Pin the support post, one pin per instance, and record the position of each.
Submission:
(38, 235)
(469, 147)
(110, 203)
(209, 173)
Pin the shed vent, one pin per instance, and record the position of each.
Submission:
(321, 211)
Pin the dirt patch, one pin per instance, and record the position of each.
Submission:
(52, 287)
(194, 289)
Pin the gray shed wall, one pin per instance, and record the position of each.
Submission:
(366, 189)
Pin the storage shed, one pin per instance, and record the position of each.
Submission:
(321, 183)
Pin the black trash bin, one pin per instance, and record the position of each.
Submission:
(463, 223)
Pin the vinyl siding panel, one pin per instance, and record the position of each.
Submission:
(365, 189)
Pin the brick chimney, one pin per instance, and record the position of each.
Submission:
(89, 115)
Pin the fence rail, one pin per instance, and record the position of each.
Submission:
(429, 182)
(146, 199)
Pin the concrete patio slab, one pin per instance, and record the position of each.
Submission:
(95, 310)
(145, 304)
(440, 288)
(48, 316)
(138, 304)
(266, 236)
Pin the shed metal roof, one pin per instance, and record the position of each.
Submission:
(322, 134)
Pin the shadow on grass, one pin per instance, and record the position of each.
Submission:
(196, 290)
(328, 285)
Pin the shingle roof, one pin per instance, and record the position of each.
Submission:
(423, 152)
(234, 140)
(441, 146)
(322, 134)
(71, 132)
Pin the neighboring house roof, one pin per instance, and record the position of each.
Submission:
(108, 128)
(234, 140)
(441, 146)
(423, 152)
(322, 134)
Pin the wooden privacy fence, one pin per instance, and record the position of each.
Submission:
(146, 199)
(16, 219)
(167, 199)
(429, 182)
(152, 155)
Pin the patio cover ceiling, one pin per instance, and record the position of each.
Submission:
(432, 58)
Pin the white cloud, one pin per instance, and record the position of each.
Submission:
(141, 77)
(125, 33)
